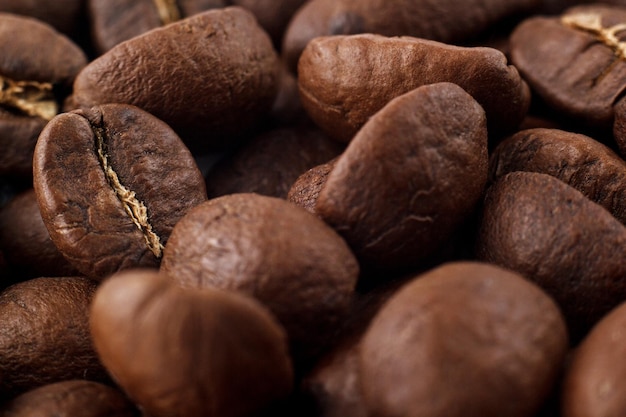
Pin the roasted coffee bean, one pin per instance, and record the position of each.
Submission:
(189, 353)
(36, 64)
(596, 378)
(71, 398)
(44, 334)
(115, 21)
(63, 15)
(210, 76)
(550, 233)
(111, 183)
(443, 21)
(578, 160)
(307, 187)
(270, 163)
(26, 243)
(273, 15)
(273, 251)
(344, 80)
(465, 339)
(409, 178)
(575, 62)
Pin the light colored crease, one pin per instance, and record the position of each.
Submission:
(168, 11)
(592, 24)
(28, 97)
(135, 208)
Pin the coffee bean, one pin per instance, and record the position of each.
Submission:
(578, 160)
(270, 163)
(37, 64)
(464, 339)
(111, 183)
(442, 21)
(63, 15)
(344, 80)
(273, 15)
(306, 189)
(26, 242)
(570, 246)
(273, 251)
(116, 21)
(596, 377)
(44, 334)
(218, 70)
(575, 61)
(409, 178)
(183, 352)
(71, 398)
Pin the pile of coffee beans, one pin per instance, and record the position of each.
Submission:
(314, 208)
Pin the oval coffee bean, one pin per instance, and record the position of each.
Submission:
(444, 21)
(344, 80)
(218, 70)
(25, 241)
(44, 334)
(113, 22)
(409, 178)
(575, 62)
(465, 339)
(553, 235)
(111, 183)
(189, 353)
(37, 65)
(307, 187)
(70, 398)
(596, 379)
(270, 163)
(577, 160)
(267, 248)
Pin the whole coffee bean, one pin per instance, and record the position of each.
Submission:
(191, 353)
(307, 187)
(63, 15)
(550, 233)
(578, 160)
(442, 21)
(273, 251)
(44, 334)
(36, 64)
(596, 379)
(344, 80)
(465, 339)
(71, 398)
(113, 22)
(26, 242)
(217, 69)
(111, 182)
(575, 62)
(271, 162)
(409, 178)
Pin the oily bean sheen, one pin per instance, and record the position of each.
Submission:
(114, 21)
(344, 80)
(207, 76)
(26, 242)
(111, 182)
(578, 160)
(596, 379)
(44, 334)
(276, 252)
(189, 353)
(465, 339)
(410, 177)
(576, 62)
(71, 398)
(36, 62)
(558, 238)
(440, 20)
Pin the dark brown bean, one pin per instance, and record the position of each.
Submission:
(111, 183)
